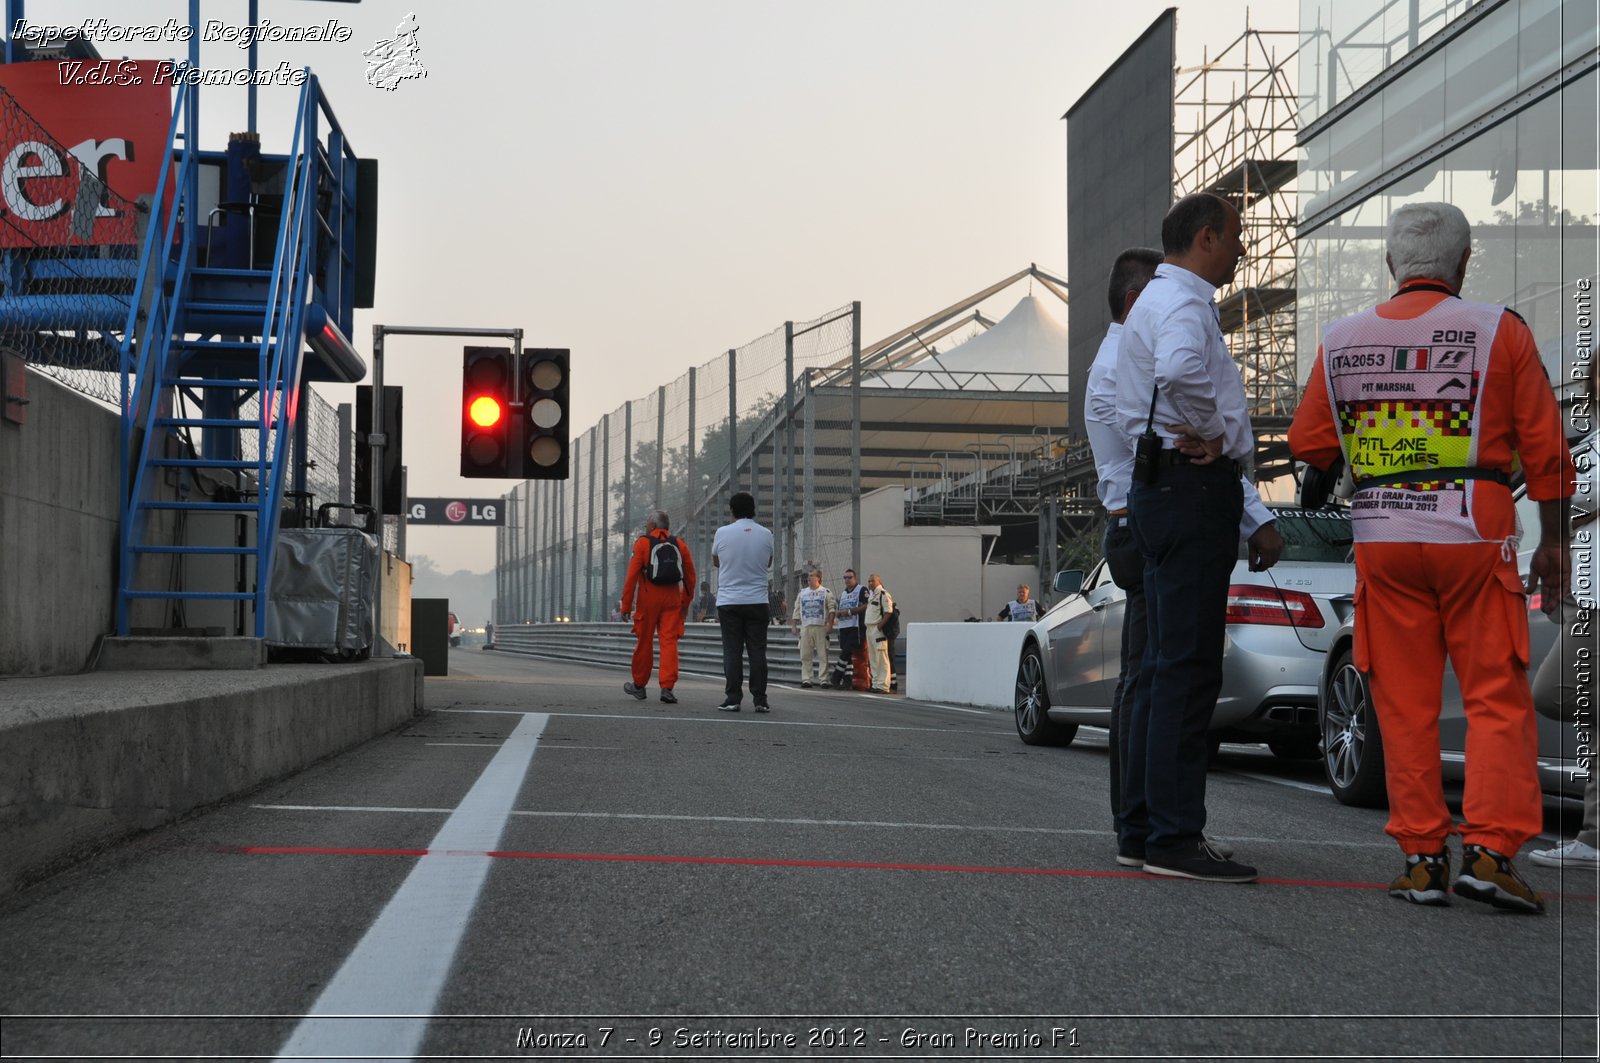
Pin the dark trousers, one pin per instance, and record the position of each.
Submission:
(852, 664)
(1187, 527)
(1127, 572)
(744, 630)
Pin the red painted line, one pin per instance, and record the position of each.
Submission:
(847, 865)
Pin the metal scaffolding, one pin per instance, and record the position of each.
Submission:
(1235, 120)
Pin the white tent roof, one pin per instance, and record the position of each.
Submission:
(1028, 342)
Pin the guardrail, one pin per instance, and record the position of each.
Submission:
(700, 649)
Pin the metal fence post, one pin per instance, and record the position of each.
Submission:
(588, 572)
(733, 419)
(809, 542)
(347, 457)
(855, 435)
(661, 445)
(605, 517)
(692, 502)
(788, 446)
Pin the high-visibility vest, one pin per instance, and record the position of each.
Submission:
(1406, 396)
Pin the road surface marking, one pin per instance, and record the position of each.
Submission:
(827, 865)
(766, 721)
(797, 822)
(400, 965)
(1292, 783)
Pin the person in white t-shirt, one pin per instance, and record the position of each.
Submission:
(814, 614)
(742, 553)
(1022, 610)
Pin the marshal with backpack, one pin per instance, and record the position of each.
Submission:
(665, 564)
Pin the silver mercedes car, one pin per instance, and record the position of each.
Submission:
(1281, 623)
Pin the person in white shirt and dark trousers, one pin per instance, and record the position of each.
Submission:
(742, 554)
(1178, 387)
(1113, 458)
(1022, 609)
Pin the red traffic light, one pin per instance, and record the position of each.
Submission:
(487, 379)
(485, 411)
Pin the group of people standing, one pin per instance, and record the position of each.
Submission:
(1434, 402)
(657, 597)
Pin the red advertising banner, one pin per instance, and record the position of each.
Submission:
(62, 137)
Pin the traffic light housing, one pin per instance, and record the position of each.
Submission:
(488, 446)
(544, 414)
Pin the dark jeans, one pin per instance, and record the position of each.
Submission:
(1187, 526)
(744, 630)
(1127, 572)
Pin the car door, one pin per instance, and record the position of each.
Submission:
(1078, 645)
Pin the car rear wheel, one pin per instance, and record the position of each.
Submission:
(1031, 704)
(1352, 747)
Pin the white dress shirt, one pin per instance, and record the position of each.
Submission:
(1113, 446)
(1172, 342)
(1113, 452)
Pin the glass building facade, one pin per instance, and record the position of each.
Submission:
(1487, 104)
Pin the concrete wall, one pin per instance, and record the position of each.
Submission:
(964, 664)
(934, 573)
(58, 530)
(87, 760)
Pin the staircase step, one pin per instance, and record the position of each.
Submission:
(205, 422)
(208, 306)
(210, 382)
(205, 463)
(215, 596)
(204, 507)
(238, 550)
(218, 345)
(233, 274)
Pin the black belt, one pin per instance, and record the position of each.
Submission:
(1178, 457)
(1419, 476)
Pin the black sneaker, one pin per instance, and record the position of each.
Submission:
(1424, 879)
(1200, 861)
(669, 697)
(1492, 878)
(805, 684)
(638, 692)
(728, 706)
(1131, 856)
(762, 706)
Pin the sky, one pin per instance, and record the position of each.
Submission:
(652, 182)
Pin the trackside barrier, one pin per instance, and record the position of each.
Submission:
(699, 651)
(964, 664)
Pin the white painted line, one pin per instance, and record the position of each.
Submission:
(399, 967)
(984, 828)
(548, 748)
(766, 721)
(1291, 783)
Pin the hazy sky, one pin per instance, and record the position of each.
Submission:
(651, 183)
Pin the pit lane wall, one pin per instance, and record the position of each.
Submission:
(964, 664)
(90, 759)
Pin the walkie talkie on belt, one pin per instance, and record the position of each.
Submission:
(1147, 452)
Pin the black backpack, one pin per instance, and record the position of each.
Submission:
(666, 562)
(891, 623)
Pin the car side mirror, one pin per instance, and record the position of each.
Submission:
(1070, 581)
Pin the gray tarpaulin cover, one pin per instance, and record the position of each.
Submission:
(323, 581)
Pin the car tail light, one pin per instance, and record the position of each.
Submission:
(1248, 604)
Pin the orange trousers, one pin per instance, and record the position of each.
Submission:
(650, 620)
(1415, 603)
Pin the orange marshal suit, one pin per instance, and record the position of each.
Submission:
(1455, 589)
(661, 609)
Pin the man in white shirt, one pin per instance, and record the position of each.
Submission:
(813, 619)
(1178, 387)
(880, 648)
(742, 553)
(852, 669)
(1113, 459)
(1022, 610)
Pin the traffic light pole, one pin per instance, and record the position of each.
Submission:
(377, 441)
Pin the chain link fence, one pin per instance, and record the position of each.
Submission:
(728, 425)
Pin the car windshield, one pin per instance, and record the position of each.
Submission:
(1314, 535)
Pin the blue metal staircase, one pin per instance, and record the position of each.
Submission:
(230, 340)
